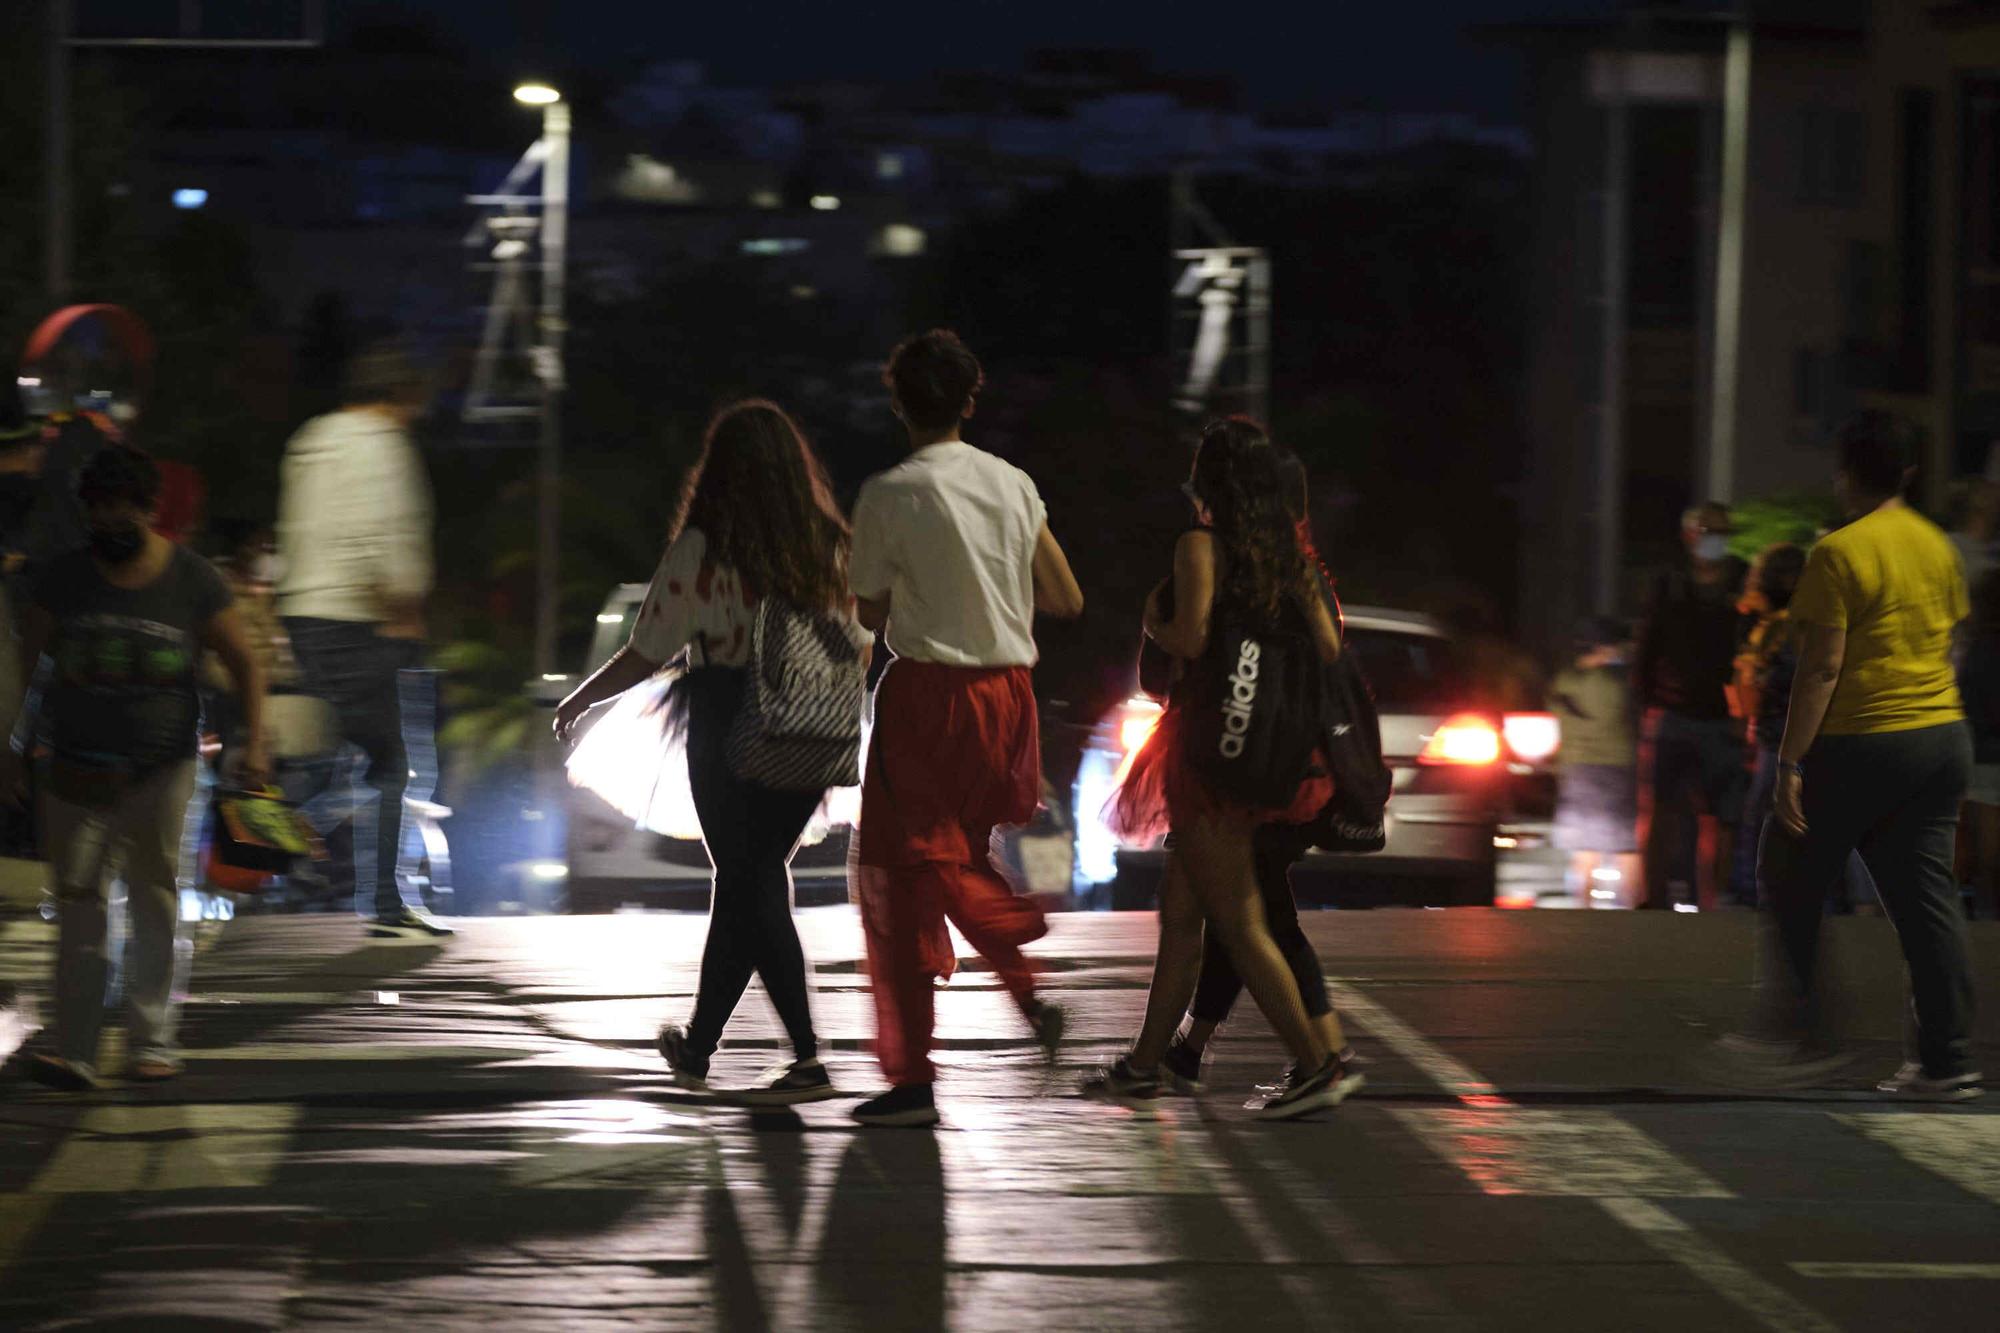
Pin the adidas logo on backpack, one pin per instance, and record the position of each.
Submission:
(1239, 704)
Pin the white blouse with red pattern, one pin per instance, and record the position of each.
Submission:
(695, 602)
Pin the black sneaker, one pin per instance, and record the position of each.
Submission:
(1290, 1074)
(690, 1070)
(911, 1106)
(410, 924)
(1183, 1065)
(1049, 1022)
(1119, 1082)
(800, 1081)
(1328, 1086)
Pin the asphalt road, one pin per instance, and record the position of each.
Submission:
(476, 1133)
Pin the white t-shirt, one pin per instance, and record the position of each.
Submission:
(948, 535)
(693, 600)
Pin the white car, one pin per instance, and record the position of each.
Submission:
(1453, 764)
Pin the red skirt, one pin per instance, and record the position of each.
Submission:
(1159, 790)
(954, 752)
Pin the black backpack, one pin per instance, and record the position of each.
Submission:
(1255, 706)
(1351, 739)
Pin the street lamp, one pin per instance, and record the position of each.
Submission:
(548, 360)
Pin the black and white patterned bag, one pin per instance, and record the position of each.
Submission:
(800, 725)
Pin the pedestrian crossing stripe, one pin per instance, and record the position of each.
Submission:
(1580, 1153)
(121, 1149)
(1964, 1149)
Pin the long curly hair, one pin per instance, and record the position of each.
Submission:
(760, 496)
(1250, 490)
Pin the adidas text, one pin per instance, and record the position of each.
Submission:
(1241, 699)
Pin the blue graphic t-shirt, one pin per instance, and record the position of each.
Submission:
(126, 661)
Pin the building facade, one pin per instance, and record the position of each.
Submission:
(1746, 226)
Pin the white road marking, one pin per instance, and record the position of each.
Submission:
(1576, 1149)
(1901, 1272)
(1775, 1307)
(1586, 1153)
(118, 1149)
(1964, 1149)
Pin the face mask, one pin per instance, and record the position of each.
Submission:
(118, 544)
(1712, 547)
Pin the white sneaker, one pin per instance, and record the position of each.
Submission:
(1911, 1081)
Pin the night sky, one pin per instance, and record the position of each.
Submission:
(1412, 55)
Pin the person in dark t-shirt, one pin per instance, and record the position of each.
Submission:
(114, 637)
(1683, 672)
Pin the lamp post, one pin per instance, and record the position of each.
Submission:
(548, 363)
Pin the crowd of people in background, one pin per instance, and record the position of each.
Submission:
(1819, 725)
(1816, 729)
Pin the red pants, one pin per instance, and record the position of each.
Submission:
(903, 911)
(955, 751)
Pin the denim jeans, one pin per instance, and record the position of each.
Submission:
(355, 670)
(1896, 796)
(1698, 768)
(137, 837)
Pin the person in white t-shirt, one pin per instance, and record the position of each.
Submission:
(953, 557)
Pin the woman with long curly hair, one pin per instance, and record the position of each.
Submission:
(756, 520)
(1246, 566)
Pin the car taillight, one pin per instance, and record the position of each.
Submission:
(1532, 737)
(1465, 740)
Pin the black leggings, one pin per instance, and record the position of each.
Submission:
(751, 832)
(1276, 847)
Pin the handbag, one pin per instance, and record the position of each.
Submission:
(799, 727)
(260, 831)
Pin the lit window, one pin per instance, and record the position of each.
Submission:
(776, 245)
(889, 166)
(188, 198)
(826, 203)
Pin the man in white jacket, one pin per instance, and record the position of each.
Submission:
(354, 543)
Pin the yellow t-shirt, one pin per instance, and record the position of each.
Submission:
(1891, 580)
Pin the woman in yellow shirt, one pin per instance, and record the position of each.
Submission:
(1876, 753)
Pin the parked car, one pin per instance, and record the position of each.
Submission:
(1457, 772)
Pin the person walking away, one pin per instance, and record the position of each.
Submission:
(756, 521)
(1876, 753)
(354, 544)
(1682, 673)
(952, 559)
(1979, 685)
(122, 625)
(1977, 532)
(1275, 848)
(1244, 570)
(1597, 799)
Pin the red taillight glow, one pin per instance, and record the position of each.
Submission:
(1532, 737)
(1467, 740)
